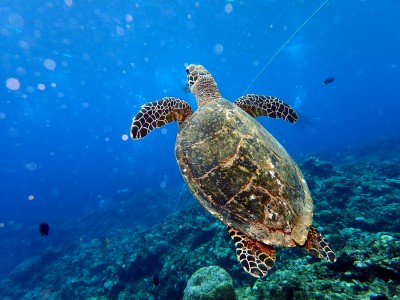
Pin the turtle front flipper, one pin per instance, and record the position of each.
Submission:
(317, 246)
(255, 257)
(158, 113)
(259, 105)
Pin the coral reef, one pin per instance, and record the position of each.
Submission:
(318, 167)
(363, 271)
(357, 208)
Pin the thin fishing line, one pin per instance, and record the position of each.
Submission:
(285, 44)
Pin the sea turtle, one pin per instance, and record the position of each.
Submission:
(238, 171)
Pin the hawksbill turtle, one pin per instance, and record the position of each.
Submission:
(238, 171)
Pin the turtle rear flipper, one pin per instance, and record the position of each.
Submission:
(269, 106)
(318, 247)
(255, 257)
(158, 113)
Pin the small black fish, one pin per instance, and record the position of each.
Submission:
(328, 80)
(44, 229)
(156, 280)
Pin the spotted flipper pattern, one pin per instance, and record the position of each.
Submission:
(318, 247)
(158, 113)
(255, 257)
(259, 105)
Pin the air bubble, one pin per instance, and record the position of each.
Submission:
(120, 31)
(49, 64)
(218, 49)
(23, 44)
(13, 84)
(32, 166)
(16, 20)
(129, 18)
(228, 8)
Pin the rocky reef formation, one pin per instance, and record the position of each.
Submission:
(357, 207)
(210, 283)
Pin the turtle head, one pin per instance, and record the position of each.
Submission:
(194, 73)
(201, 84)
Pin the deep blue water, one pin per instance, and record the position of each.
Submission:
(73, 74)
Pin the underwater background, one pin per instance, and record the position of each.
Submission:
(74, 73)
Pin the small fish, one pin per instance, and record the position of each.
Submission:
(156, 280)
(44, 229)
(328, 80)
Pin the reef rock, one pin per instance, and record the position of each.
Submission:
(210, 283)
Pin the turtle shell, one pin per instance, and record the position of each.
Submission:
(243, 176)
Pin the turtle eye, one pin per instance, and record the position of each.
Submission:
(191, 80)
(191, 77)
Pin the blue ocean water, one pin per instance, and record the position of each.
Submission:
(74, 73)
